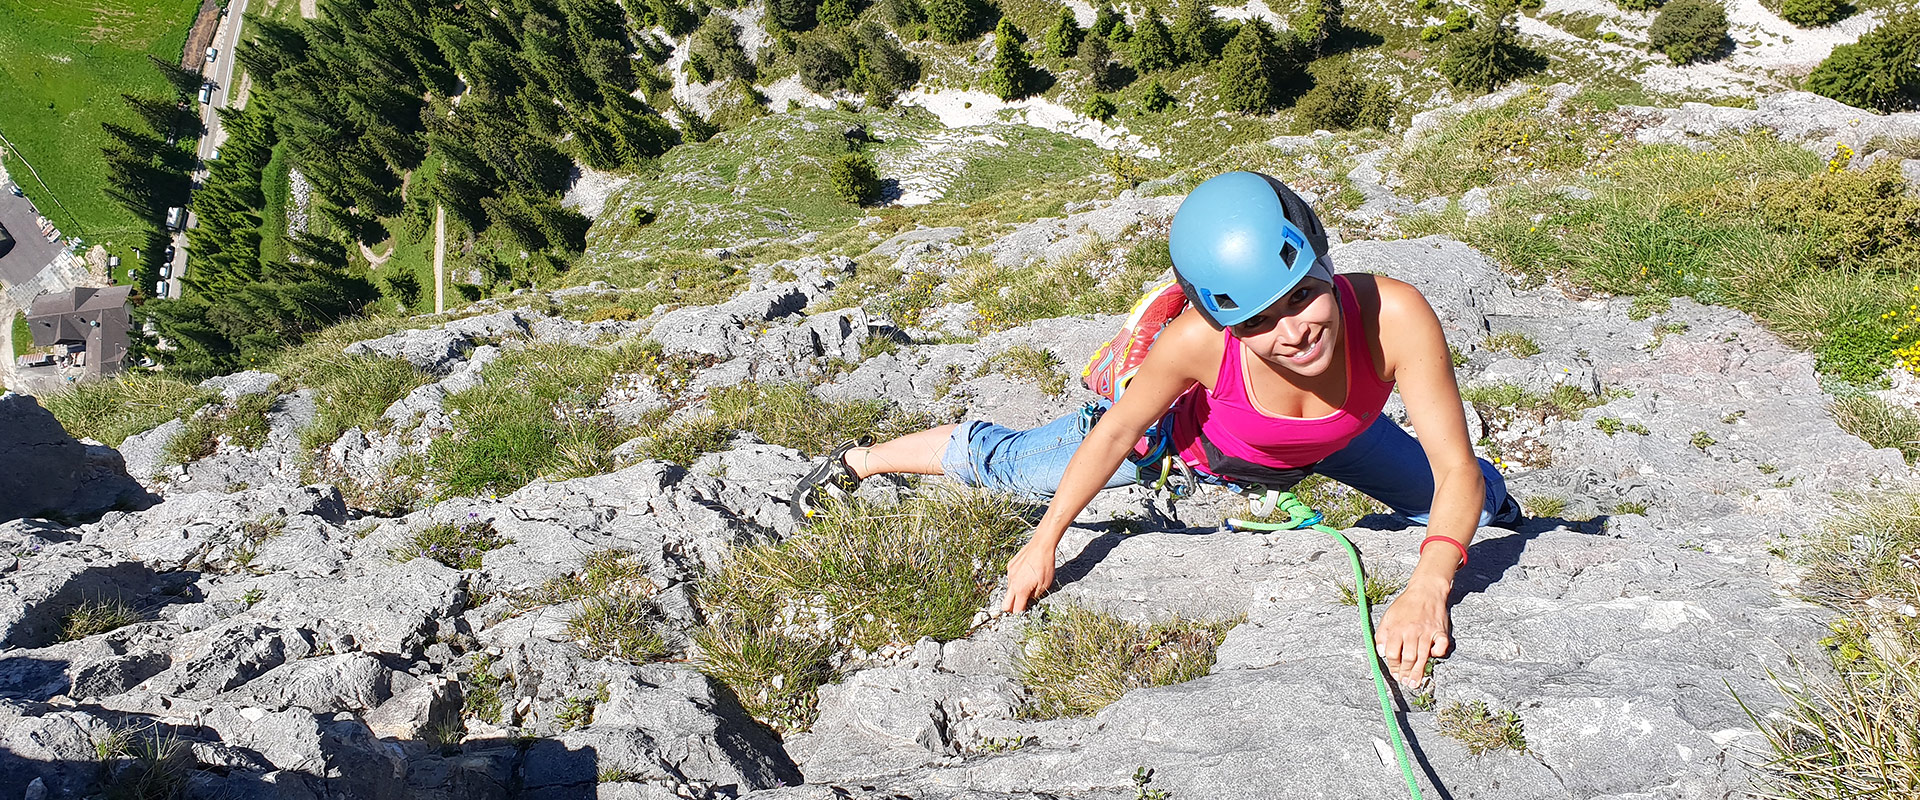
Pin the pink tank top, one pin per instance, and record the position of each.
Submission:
(1221, 433)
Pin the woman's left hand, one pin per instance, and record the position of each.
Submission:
(1414, 630)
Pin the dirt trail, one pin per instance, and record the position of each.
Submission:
(194, 57)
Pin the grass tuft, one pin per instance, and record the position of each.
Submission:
(458, 546)
(1851, 736)
(860, 576)
(789, 415)
(619, 618)
(95, 617)
(354, 390)
(1481, 729)
(1077, 660)
(1024, 362)
(108, 411)
(1514, 343)
(1880, 424)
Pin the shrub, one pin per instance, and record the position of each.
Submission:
(1156, 99)
(1098, 107)
(1152, 44)
(1878, 72)
(1688, 30)
(791, 15)
(1638, 5)
(1108, 23)
(901, 15)
(457, 546)
(1341, 100)
(717, 43)
(951, 21)
(852, 178)
(889, 69)
(1812, 13)
(1249, 71)
(1063, 38)
(1077, 661)
(1485, 57)
(1850, 216)
(858, 576)
(1011, 76)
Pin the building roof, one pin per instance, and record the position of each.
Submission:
(97, 318)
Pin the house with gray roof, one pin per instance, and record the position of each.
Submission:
(87, 325)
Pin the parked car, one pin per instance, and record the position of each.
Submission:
(166, 271)
(211, 53)
(160, 289)
(176, 216)
(6, 240)
(206, 92)
(166, 256)
(15, 189)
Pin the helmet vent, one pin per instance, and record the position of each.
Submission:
(1287, 253)
(1225, 302)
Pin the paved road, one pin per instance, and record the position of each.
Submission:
(220, 72)
(31, 251)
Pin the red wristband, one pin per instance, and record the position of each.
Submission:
(1455, 542)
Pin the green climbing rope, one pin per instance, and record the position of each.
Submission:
(1300, 517)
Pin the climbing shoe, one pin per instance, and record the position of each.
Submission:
(832, 478)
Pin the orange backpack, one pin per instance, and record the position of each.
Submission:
(1115, 363)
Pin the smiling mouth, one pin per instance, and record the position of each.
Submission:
(1307, 355)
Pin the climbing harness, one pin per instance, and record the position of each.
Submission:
(1300, 517)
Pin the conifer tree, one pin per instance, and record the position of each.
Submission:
(1483, 58)
(1877, 72)
(1106, 20)
(1096, 59)
(1011, 76)
(1249, 68)
(1152, 45)
(184, 82)
(951, 21)
(1315, 22)
(834, 14)
(1196, 34)
(1063, 39)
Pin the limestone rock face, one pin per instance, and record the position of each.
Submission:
(49, 473)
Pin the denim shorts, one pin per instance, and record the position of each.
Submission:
(1383, 463)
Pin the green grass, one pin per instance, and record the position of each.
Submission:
(276, 186)
(1076, 660)
(1737, 225)
(354, 391)
(110, 410)
(22, 335)
(858, 576)
(535, 414)
(1506, 399)
(243, 423)
(789, 415)
(1341, 506)
(63, 67)
(1514, 343)
(1085, 283)
(1851, 735)
(1032, 364)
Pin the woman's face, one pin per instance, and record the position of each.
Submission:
(1298, 332)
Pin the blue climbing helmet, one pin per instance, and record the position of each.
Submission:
(1240, 241)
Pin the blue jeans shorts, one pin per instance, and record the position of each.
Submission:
(1383, 463)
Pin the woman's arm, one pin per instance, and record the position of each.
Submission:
(1163, 377)
(1415, 348)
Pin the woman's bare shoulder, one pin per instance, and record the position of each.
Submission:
(1196, 345)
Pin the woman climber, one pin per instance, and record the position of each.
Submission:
(1277, 369)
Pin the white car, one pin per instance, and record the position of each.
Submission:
(212, 52)
(165, 272)
(160, 289)
(206, 92)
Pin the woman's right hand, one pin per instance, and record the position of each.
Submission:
(1029, 575)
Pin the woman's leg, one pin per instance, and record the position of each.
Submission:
(1388, 465)
(914, 453)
